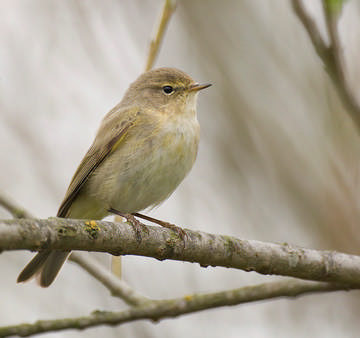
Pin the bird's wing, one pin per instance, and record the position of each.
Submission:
(110, 135)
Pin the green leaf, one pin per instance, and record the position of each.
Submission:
(333, 6)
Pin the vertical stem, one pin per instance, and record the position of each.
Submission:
(168, 10)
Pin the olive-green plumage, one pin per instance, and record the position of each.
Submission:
(144, 148)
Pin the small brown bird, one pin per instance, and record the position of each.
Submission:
(144, 148)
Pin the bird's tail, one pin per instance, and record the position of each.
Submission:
(46, 264)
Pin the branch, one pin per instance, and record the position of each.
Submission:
(310, 26)
(15, 210)
(168, 10)
(157, 310)
(117, 287)
(331, 56)
(161, 243)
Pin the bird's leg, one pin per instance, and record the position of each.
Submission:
(135, 223)
(180, 231)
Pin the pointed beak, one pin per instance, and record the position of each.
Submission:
(197, 86)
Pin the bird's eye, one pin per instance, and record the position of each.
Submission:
(168, 90)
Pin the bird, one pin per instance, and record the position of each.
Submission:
(143, 149)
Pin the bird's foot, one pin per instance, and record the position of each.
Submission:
(137, 226)
(179, 231)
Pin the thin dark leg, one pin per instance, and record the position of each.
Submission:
(135, 223)
(181, 232)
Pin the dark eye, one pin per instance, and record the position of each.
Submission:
(167, 89)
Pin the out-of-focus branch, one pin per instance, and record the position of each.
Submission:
(161, 243)
(157, 310)
(15, 210)
(332, 55)
(310, 26)
(168, 10)
(117, 287)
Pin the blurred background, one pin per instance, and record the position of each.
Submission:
(278, 159)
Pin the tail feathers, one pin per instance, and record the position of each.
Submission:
(52, 267)
(33, 266)
(47, 264)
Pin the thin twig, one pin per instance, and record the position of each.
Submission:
(168, 10)
(117, 287)
(338, 61)
(332, 56)
(14, 209)
(116, 261)
(157, 310)
(310, 25)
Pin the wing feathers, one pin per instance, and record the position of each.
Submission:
(110, 135)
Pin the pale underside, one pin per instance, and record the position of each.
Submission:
(143, 170)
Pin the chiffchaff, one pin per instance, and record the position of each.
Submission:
(144, 148)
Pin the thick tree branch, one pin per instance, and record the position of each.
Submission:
(157, 310)
(203, 248)
(332, 55)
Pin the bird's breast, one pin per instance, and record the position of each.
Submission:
(149, 166)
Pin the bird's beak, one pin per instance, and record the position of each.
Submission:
(197, 86)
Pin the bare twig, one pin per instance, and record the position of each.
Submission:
(116, 266)
(168, 10)
(116, 261)
(14, 209)
(157, 310)
(161, 243)
(117, 287)
(332, 56)
(332, 22)
(310, 25)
